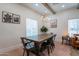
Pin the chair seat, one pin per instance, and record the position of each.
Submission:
(29, 46)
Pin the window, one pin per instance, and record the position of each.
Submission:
(73, 26)
(31, 27)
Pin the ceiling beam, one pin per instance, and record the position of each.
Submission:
(49, 8)
(78, 6)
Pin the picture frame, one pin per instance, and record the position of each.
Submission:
(7, 17)
(53, 23)
(16, 19)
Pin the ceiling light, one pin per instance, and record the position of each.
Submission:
(62, 6)
(36, 4)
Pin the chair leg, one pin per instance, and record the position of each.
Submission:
(51, 49)
(24, 52)
(27, 53)
(48, 51)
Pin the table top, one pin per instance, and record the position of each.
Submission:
(39, 38)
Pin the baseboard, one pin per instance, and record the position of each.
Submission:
(10, 48)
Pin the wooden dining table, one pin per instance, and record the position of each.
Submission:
(39, 39)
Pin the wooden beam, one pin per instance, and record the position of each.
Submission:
(78, 6)
(49, 8)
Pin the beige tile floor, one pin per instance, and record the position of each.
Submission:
(60, 50)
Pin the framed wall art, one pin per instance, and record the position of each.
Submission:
(8, 17)
(16, 19)
(53, 23)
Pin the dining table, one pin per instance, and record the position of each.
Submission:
(38, 40)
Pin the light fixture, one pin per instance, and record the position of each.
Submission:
(63, 6)
(36, 4)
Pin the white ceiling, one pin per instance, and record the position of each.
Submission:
(63, 6)
(39, 9)
(57, 7)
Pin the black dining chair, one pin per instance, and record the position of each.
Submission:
(27, 46)
(53, 42)
(48, 44)
(54, 36)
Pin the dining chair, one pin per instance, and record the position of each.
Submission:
(27, 46)
(54, 36)
(48, 44)
(53, 42)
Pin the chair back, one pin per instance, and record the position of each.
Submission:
(54, 36)
(50, 40)
(25, 41)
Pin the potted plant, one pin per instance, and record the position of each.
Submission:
(44, 29)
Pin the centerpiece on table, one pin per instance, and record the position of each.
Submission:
(44, 29)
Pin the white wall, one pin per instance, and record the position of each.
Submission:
(10, 33)
(62, 22)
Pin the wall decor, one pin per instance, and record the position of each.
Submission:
(8, 17)
(16, 19)
(53, 23)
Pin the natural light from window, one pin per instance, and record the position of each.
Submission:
(73, 26)
(31, 27)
